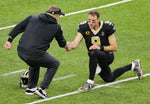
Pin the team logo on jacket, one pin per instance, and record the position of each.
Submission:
(102, 33)
(87, 33)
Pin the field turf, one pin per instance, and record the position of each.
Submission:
(132, 21)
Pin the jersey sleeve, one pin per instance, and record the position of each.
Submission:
(81, 27)
(110, 27)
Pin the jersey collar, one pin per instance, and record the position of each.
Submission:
(96, 31)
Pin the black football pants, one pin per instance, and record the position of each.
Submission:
(104, 59)
(35, 62)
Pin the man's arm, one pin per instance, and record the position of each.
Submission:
(112, 42)
(75, 43)
(19, 28)
(111, 47)
(77, 40)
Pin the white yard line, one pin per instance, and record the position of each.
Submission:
(124, 80)
(60, 78)
(55, 79)
(2, 28)
(98, 86)
(14, 72)
(104, 6)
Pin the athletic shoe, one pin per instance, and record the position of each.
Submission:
(30, 91)
(138, 68)
(41, 93)
(86, 87)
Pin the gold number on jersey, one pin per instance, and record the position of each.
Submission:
(96, 40)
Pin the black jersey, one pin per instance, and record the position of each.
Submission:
(99, 37)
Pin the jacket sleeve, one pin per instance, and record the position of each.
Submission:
(60, 38)
(19, 28)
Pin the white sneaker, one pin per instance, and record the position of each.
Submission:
(86, 87)
(41, 93)
(137, 68)
(30, 91)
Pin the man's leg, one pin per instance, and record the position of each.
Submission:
(119, 71)
(92, 69)
(109, 76)
(106, 74)
(93, 60)
(52, 65)
(92, 64)
(104, 60)
(95, 57)
(33, 80)
(33, 76)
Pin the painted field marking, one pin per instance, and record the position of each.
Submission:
(85, 10)
(55, 79)
(60, 78)
(114, 86)
(14, 72)
(2, 28)
(104, 6)
(98, 86)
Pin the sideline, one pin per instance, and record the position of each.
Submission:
(98, 86)
(104, 6)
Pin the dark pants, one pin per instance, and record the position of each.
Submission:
(104, 59)
(35, 62)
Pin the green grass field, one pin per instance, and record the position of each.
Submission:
(132, 21)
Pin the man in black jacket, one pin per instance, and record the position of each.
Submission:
(38, 33)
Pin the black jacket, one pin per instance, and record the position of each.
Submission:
(39, 31)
